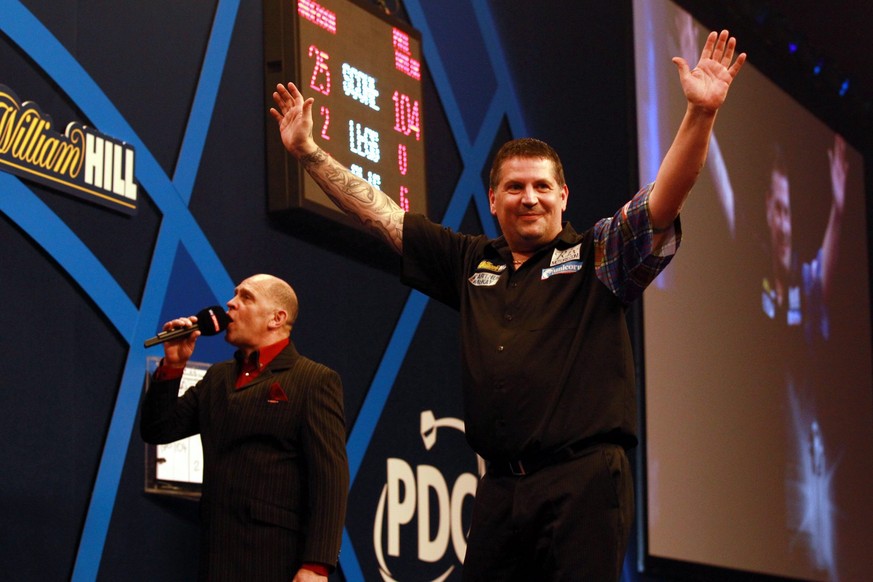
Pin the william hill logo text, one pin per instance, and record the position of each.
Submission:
(82, 162)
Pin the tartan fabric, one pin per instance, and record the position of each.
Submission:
(626, 261)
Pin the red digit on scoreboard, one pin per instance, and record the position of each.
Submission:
(320, 80)
(401, 159)
(407, 117)
(325, 112)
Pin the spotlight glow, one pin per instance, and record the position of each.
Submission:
(811, 498)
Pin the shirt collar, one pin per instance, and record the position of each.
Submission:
(567, 237)
(261, 358)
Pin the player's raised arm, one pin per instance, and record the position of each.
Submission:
(705, 87)
(353, 195)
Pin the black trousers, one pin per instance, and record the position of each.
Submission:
(566, 522)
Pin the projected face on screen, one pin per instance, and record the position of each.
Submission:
(759, 390)
(796, 289)
(779, 219)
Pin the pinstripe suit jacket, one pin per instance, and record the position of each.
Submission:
(276, 474)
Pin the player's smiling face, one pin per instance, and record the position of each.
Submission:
(528, 203)
(779, 219)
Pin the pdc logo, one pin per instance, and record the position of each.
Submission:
(419, 523)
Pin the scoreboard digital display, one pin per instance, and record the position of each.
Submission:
(364, 70)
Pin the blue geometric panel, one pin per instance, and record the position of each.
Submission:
(133, 323)
(466, 59)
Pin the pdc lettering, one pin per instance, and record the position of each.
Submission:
(409, 494)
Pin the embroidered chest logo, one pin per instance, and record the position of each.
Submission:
(487, 274)
(564, 262)
(768, 299)
(484, 279)
(486, 265)
(565, 256)
(564, 269)
(794, 315)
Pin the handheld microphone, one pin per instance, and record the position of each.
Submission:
(210, 321)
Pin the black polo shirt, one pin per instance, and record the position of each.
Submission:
(546, 353)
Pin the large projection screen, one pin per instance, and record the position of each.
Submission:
(758, 392)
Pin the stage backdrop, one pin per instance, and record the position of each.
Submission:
(171, 95)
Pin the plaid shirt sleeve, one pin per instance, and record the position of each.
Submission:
(816, 319)
(626, 260)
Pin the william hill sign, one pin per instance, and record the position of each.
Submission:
(82, 161)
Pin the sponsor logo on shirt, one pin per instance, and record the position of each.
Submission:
(795, 315)
(564, 269)
(484, 279)
(768, 300)
(794, 309)
(486, 265)
(565, 256)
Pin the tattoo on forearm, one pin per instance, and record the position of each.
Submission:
(373, 208)
(315, 158)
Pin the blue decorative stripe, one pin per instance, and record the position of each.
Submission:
(204, 99)
(52, 234)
